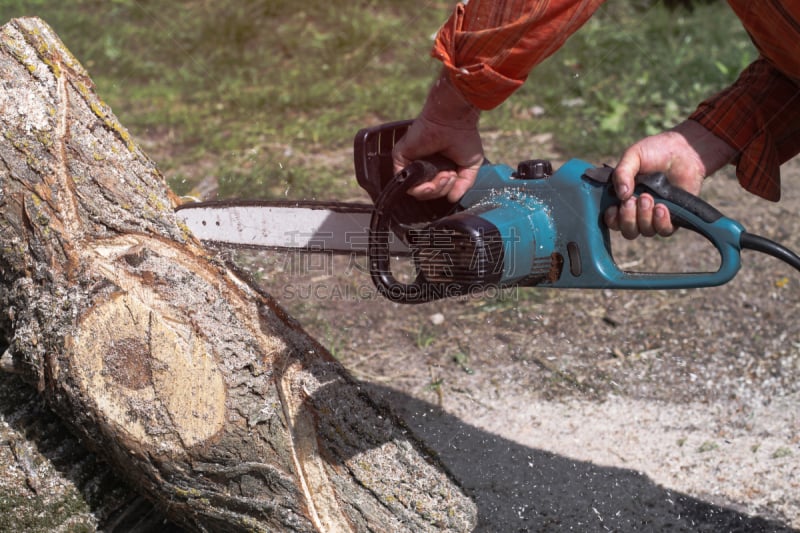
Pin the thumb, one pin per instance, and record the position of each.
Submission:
(465, 179)
(399, 159)
(624, 176)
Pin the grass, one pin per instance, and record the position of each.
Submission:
(261, 93)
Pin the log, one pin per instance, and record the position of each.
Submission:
(50, 482)
(169, 363)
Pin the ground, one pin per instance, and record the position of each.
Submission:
(556, 410)
(593, 410)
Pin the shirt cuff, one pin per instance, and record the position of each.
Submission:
(757, 164)
(755, 116)
(482, 86)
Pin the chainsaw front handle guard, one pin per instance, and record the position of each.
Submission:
(380, 231)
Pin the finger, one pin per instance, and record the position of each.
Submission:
(644, 215)
(409, 148)
(439, 186)
(625, 174)
(399, 161)
(611, 218)
(462, 183)
(662, 223)
(627, 219)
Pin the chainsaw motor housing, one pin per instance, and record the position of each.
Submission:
(499, 234)
(462, 248)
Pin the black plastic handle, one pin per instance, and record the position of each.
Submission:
(658, 184)
(381, 229)
(372, 154)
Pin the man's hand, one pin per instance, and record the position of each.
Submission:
(447, 125)
(686, 154)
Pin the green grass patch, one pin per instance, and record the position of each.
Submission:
(263, 92)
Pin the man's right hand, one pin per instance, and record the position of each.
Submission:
(686, 154)
(447, 125)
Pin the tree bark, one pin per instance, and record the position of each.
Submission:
(195, 386)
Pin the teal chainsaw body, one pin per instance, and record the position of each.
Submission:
(558, 219)
(528, 226)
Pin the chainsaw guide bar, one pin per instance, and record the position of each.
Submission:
(303, 226)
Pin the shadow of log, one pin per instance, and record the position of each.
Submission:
(517, 488)
(60, 482)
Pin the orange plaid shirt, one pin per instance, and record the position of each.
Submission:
(488, 48)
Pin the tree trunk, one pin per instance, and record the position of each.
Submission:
(195, 386)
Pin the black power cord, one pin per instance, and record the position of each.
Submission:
(764, 245)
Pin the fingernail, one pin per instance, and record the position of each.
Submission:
(645, 202)
(630, 203)
(622, 190)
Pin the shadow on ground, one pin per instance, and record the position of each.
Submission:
(517, 488)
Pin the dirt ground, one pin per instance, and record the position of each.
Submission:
(556, 410)
(593, 410)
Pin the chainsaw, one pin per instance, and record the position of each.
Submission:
(523, 226)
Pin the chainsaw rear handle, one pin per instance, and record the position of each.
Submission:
(687, 211)
(658, 184)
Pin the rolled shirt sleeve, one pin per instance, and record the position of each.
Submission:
(489, 47)
(759, 115)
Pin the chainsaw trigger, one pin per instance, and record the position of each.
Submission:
(599, 174)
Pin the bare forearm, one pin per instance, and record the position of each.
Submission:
(712, 152)
(446, 106)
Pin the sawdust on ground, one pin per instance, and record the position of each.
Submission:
(593, 410)
(556, 410)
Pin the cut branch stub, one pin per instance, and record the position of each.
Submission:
(197, 387)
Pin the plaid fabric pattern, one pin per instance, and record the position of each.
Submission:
(759, 114)
(489, 47)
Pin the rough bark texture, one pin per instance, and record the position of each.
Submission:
(195, 386)
(50, 483)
